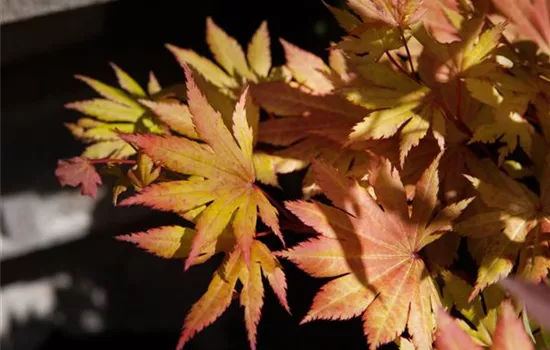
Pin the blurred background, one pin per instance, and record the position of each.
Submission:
(64, 280)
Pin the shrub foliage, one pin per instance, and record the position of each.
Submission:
(423, 151)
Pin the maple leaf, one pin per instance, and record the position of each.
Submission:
(78, 171)
(394, 13)
(238, 68)
(508, 91)
(531, 20)
(383, 27)
(375, 251)
(175, 242)
(515, 223)
(465, 57)
(312, 127)
(400, 104)
(443, 19)
(480, 314)
(144, 172)
(345, 19)
(509, 332)
(308, 69)
(119, 111)
(226, 174)
(219, 294)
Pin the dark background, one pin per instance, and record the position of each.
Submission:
(139, 300)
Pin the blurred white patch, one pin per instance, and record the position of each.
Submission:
(98, 297)
(23, 301)
(14, 10)
(33, 221)
(91, 321)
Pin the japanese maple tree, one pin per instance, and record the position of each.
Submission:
(423, 150)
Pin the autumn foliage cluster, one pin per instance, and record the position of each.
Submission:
(423, 150)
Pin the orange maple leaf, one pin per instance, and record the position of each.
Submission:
(378, 252)
(175, 242)
(223, 175)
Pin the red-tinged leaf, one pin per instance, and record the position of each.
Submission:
(272, 270)
(316, 215)
(244, 226)
(252, 299)
(535, 297)
(307, 69)
(211, 128)
(182, 155)
(531, 19)
(220, 292)
(153, 85)
(393, 13)
(241, 130)
(421, 323)
(78, 171)
(286, 131)
(216, 299)
(176, 115)
(224, 182)
(442, 19)
(340, 299)
(510, 333)
(259, 53)
(284, 100)
(450, 336)
(379, 244)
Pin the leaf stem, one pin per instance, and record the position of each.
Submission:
(408, 53)
(111, 160)
(395, 63)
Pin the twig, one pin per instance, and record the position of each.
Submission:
(408, 54)
(395, 63)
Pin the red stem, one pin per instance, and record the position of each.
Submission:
(112, 160)
(408, 54)
(395, 63)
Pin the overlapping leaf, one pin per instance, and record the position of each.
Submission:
(223, 176)
(236, 66)
(400, 104)
(176, 242)
(311, 126)
(515, 224)
(531, 19)
(376, 251)
(119, 111)
(509, 333)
